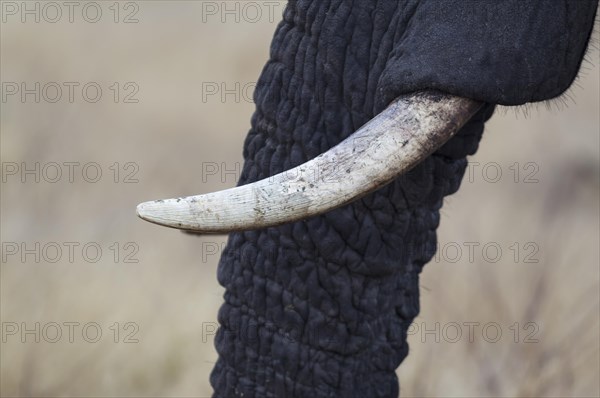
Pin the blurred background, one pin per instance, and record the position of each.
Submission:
(105, 105)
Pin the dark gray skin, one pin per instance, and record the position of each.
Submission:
(321, 307)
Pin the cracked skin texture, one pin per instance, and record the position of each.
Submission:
(320, 308)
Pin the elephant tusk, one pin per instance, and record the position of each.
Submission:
(406, 132)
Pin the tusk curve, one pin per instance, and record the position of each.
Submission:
(393, 142)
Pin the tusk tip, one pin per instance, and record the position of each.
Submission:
(172, 213)
(142, 211)
(154, 211)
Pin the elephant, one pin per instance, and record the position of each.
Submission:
(329, 230)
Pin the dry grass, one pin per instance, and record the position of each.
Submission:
(172, 294)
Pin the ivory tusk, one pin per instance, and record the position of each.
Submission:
(406, 132)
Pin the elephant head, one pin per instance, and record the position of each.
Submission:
(365, 114)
